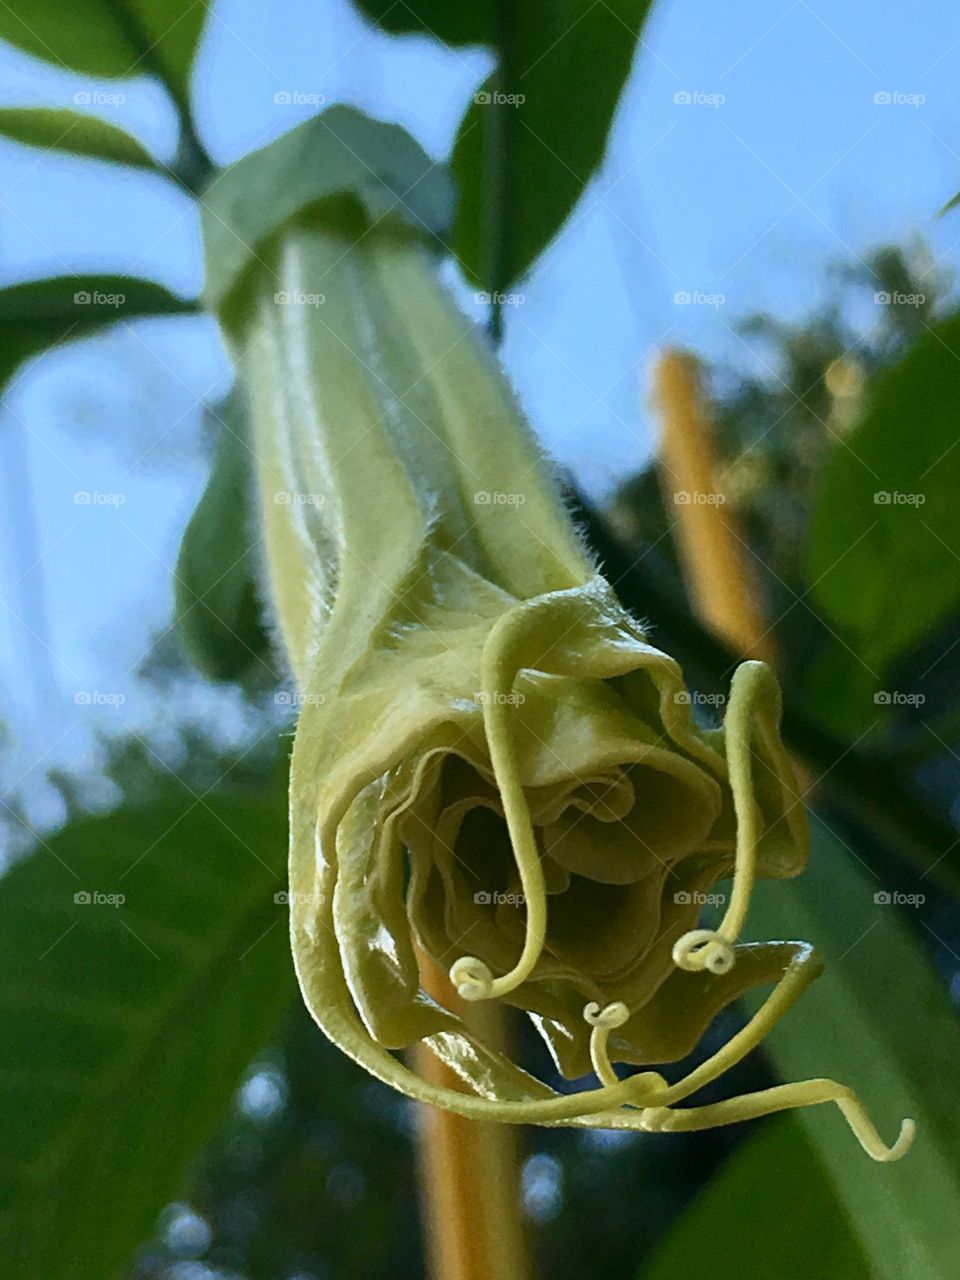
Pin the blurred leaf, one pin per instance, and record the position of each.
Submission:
(768, 1213)
(127, 1027)
(568, 61)
(73, 131)
(880, 1021)
(884, 550)
(339, 152)
(894, 711)
(469, 22)
(842, 692)
(44, 313)
(114, 38)
(218, 612)
(562, 65)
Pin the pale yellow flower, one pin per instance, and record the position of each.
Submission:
(492, 763)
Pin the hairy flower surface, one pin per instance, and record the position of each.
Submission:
(493, 767)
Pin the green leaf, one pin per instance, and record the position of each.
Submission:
(522, 163)
(82, 135)
(470, 22)
(41, 314)
(880, 1021)
(843, 693)
(565, 63)
(114, 38)
(127, 1027)
(341, 152)
(769, 1212)
(883, 555)
(218, 611)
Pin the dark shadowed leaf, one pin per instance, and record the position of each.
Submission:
(880, 1021)
(770, 1212)
(128, 1025)
(884, 551)
(470, 22)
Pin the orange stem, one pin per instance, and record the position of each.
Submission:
(716, 561)
(469, 1170)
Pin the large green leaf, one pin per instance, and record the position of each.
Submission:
(218, 611)
(113, 38)
(769, 1213)
(126, 1027)
(82, 135)
(879, 1020)
(537, 130)
(44, 313)
(524, 164)
(884, 551)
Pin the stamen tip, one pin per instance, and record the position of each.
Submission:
(704, 949)
(610, 1016)
(472, 978)
(908, 1131)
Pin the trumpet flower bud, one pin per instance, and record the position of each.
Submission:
(493, 765)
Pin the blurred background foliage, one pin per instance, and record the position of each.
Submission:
(169, 1111)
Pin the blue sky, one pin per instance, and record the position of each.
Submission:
(781, 162)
